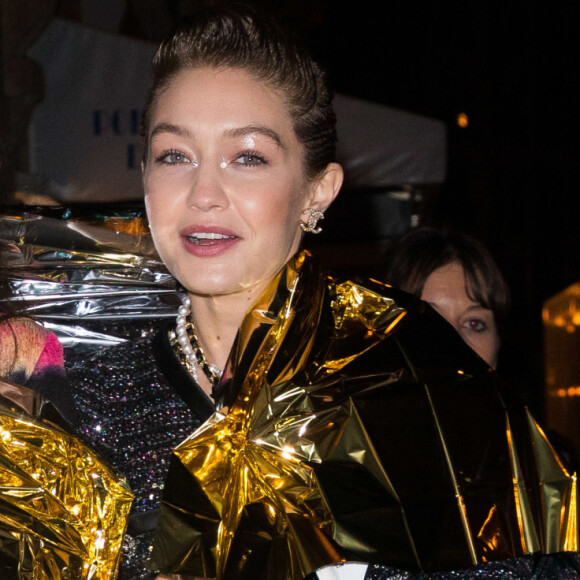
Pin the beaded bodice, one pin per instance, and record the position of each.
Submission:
(130, 413)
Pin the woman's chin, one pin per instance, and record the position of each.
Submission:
(214, 287)
(242, 287)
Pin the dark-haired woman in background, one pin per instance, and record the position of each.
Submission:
(458, 277)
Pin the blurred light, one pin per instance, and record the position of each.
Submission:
(563, 309)
(463, 120)
(573, 391)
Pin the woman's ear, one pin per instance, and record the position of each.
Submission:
(326, 187)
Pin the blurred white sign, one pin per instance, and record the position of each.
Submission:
(85, 137)
(85, 134)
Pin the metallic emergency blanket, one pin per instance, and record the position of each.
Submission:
(63, 512)
(89, 274)
(360, 427)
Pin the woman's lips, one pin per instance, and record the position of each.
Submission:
(208, 241)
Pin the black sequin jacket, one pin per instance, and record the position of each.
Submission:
(136, 403)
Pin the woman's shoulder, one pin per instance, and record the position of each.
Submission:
(112, 366)
(121, 354)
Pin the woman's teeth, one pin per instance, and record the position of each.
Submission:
(200, 237)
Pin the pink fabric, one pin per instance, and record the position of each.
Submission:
(27, 350)
(51, 355)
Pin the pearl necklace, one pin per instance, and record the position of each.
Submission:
(191, 353)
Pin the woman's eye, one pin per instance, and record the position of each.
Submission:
(250, 159)
(172, 158)
(476, 325)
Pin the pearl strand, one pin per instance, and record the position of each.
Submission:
(183, 337)
(193, 353)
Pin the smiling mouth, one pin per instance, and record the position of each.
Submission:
(209, 238)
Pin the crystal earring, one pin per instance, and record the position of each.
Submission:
(314, 216)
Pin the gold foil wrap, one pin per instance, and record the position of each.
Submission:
(360, 427)
(63, 512)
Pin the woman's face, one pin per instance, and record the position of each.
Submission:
(444, 289)
(224, 181)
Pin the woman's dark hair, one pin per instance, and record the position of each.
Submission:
(418, 254)
(237, 37)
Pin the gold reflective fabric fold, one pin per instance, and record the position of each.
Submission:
(63, 512)
(360, 427)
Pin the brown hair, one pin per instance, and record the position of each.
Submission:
(417, 255)
(236, 37)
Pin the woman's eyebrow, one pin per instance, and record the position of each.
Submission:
(171, 128)
(478, 307)
(251, 129)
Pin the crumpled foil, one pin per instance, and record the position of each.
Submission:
(90, 276)
(360, 428)
(63, 512)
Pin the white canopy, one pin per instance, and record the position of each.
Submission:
(85, 134)
(382, 146)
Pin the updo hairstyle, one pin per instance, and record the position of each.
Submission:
(238, 38)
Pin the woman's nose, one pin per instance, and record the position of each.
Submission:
(206, 190)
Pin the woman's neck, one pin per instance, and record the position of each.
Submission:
(217, 320)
